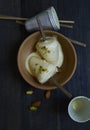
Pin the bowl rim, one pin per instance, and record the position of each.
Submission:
(57, 33)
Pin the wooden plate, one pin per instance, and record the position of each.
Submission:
(67, 69)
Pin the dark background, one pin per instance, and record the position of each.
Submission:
(52, 114)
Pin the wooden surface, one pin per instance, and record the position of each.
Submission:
(52, 114)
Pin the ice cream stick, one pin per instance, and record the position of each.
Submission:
(67, 21)
(41, 29)
(12, 18)
(20, 18)
(66, 26)
(20, 22)
(77, 43)
(62, 25)
(68, 94)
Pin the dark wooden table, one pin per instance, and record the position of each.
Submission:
(52, 114)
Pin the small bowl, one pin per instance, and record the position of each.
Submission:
(67, 69)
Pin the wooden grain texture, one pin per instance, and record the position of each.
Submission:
(52, 114)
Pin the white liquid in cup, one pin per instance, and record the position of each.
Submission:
(79, 109)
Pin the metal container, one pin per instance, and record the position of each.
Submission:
(48, 19)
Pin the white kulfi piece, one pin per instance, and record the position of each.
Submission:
(40, 69)
(28, 59)
(51, 51)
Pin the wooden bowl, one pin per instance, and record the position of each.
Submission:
(67, 69)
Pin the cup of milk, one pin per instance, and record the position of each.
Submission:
(79, 109)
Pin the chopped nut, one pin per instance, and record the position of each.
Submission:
(41, 69)
(32, 108)
(29, 92)
(47, 94)
(59, 69)
(36, 103)
(36, 64)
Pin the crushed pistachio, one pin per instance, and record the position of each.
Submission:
(29, 92)
(32, 108)
(36, 64)
(48, 51)
(45, 49)
(41, 69)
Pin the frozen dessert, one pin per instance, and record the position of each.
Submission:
(51, 51)
(43, 63)
(41, 69)
(33, 54)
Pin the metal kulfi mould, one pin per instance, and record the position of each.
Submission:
(48, 19)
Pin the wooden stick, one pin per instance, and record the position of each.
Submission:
(12, 18)
(66, 26)
(20, 22)
(62, 25)
(77, 43)
(67, 21)
(19, 18)
(41, 29)
(68, 94)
